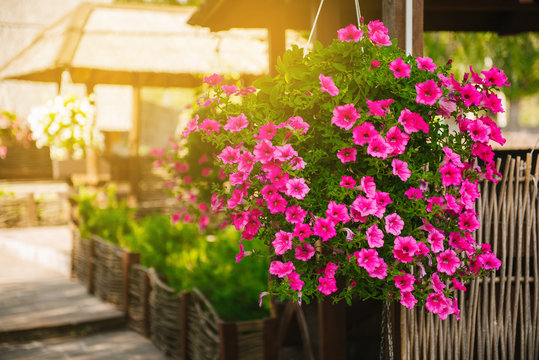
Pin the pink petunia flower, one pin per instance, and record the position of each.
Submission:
(479, 131)
(448, 262)
(446, 107)
(400, 68)
(229, 155)
(368, 186)
(267, 132)
(298, 123)
(436, 241)
(492, 102)
(458, 285)
(400, 169)
(297, 188)
(327, 85)
(379, 107)
(327, 285)
(297, 163)
(347, 155)
(405, 248)
(278, 178)
(229, 89)
(241, 254)
(378, 147)
(412, 122)
(451, 175)
(347, 182)
(428, 92)
(302, 231)
(264, 151)
(404, 282)
(345, 116)
(495, 76)
(349, 33)
(397, 140)
(284, 153)
(382, 200)
(363, 133)
(281, 269)
(282, 242)
(364, 206)
(246, 162)
(375, 237)
(337, 213)
(235, 199)
(210, 126)
(378, 33)
(489, 261)
(367, 259)
(470, 95)
(294, 281)
(437, 284)
(414, 194)
(191, 126)
(276, 204)
(407, 299)
(295, 214)
(304, 252)
(468, 221)
(236, 123)
(213, 79)
(324, 228)
(394, 224)
(438, 304)
(425, 63)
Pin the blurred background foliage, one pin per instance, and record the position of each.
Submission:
(183, 257)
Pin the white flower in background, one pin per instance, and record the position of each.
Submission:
(67, 125)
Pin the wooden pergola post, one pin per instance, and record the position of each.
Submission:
(394, 18)
(134, 143)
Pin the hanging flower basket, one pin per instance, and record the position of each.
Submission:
(359, 167)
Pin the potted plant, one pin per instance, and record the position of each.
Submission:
(67, 125)
(358, 166)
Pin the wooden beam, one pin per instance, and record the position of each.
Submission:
(394, 18)
(332, 330)
(134, 144)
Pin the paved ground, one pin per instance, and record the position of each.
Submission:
(38, 300)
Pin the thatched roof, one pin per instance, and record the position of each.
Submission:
(136, 44)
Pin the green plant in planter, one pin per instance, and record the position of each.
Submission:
(67, 125)
(358, 166)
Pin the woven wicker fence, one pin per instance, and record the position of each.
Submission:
(108, 282)
(183, 326)
(499, 315)
(25, 210)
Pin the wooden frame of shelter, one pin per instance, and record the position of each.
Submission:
(138, 45)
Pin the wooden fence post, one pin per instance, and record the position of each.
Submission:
(269, 334)
(91, 266)
(146, 305)
(185, 301)
(228, 341)
(31, 216)
(128, 259)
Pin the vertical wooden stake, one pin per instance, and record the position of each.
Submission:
(146, 305)
(128, 259)
(185, 303)
(91, 266)
(270, 332)
(228, 341)
(31, 215)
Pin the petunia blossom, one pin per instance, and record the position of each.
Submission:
(375, 237)
(425, 63)
(405, 248)
(347, 155)
(428, 92)
(345, 116)
(324, 228)
(448, 262)
(281, 269)
(394, 224)
(297, 188)
(363, 133)
(400, 68)
(236, 123)
(282, 242)
(327, 85)
(349, 33)
(304, 252)
(412, 122)
(400, 169)
(347, 182)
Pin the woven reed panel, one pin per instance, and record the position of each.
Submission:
(202, 329)
(165, 317)
(499, 316)
(108, 278)
(251, 340)
(53, 211)
(12, 211)
(81, 258)
(136, 299)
